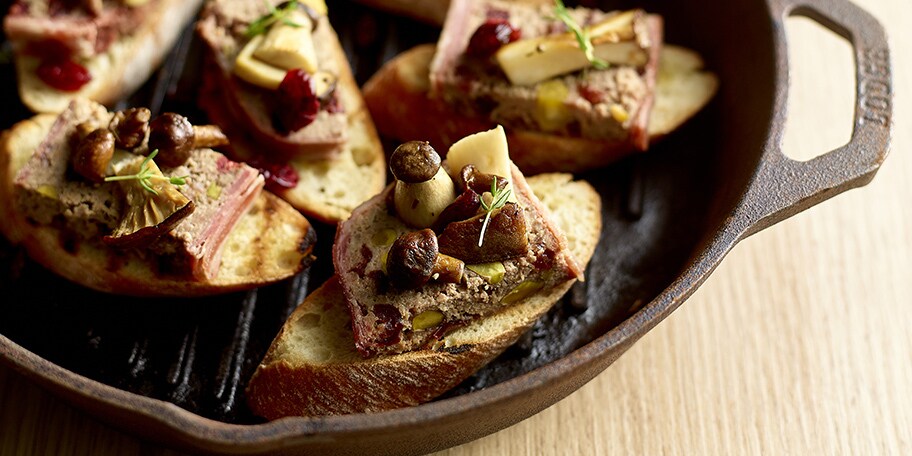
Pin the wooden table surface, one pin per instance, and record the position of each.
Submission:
(800, 342)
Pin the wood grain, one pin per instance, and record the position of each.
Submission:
(800, 342)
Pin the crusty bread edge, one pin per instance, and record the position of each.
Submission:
(285, 386)
(121, 69)
(100, 268)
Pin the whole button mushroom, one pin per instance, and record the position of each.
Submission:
(172, 134)
(414, 259)
(423, 188)
(175, 137)
(92, 155)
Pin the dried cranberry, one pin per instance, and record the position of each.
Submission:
(64, 75)
(278, 176)
(389, 324)
(490, 36)
(298, 104)
(592, 95)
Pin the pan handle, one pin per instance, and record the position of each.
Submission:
(787, 186)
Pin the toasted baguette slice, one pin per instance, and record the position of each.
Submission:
(272, 241)
(397, 97)
(312, 367)
(118, 71)
(327, 190)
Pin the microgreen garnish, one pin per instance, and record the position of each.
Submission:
(581, 34)
(498, 200)
(146, 175)
(279, 14)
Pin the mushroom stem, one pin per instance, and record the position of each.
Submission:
(414, 259)
(419, 205)
(423, 187)
(447, 269)
(208, 136)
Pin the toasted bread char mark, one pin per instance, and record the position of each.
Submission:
(312, 367)
(382, 315)
(284, 239)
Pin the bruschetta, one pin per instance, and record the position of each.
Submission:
(563, 110)
(129, 204)
(434, 277)
(278, 82)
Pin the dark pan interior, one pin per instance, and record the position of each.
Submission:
(659, 209)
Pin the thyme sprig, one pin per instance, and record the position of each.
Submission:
(581, 34)
(146, 175)
(280, 14)
(498, 200)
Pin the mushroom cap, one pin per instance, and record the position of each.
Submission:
(130, 127)
(414, 161)
(93, 154)
(411, 259)
(172, 134)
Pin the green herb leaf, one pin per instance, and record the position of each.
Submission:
(581, 34)
(498, 200)
(262, 24)
(145, 176)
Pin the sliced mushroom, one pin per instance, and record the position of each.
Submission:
(472, 178)
(414, 260)
(148, 215)
(504, 238)
(423, 187)
(464, 207)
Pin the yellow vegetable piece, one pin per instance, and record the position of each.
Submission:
(427, 319)
(522, 291)
(48, 190)
(551, 113)
(619, 113)
(492, 272)
(214, 191)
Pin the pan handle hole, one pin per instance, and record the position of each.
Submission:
(822, 72)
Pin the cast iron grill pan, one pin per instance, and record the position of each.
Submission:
(199, 353)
